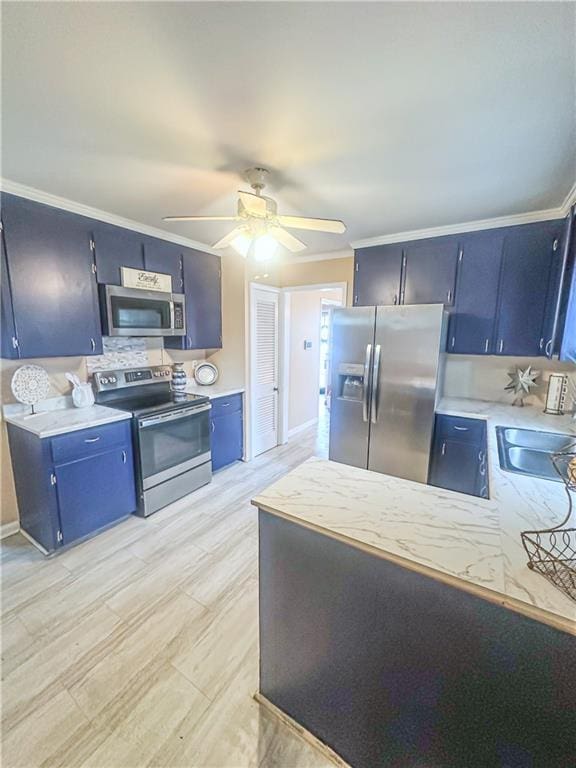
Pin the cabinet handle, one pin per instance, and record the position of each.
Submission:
(461, 429)
(124, 457)
(212, 425)
(452, 342)
(486, 343)
(188, 342)
(443, 449)
(225, 405)
(93, 344)
(541, 343)
(449, 297)
(501, 345)
(548, 349)
(91, 439)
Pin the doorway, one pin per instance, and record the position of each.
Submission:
(305, 359)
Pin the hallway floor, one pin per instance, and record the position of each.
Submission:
(140, 646)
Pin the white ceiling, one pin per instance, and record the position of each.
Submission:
(390, 116)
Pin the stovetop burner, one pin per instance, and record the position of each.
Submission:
(143, 404)
(141, 390)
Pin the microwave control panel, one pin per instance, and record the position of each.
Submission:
(178, 316)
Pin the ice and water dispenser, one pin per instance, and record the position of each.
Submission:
(351, 381)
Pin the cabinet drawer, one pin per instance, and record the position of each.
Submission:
(222, 406)
(86, 442)
(461, 429)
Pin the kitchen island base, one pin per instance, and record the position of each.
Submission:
(389, 667)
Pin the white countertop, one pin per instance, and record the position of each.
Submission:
(469, 542)
(213, 391)
(58, 421)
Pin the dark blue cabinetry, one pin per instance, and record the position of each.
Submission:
(202, 286)
(473, 319)
(501, 286)
(162, 256)
(526, 288)
(459, 455)
(51, 281)
(226, 425)
(377, 274)
(429, 271)
(7, 328)
(116, 247)
(72, 485)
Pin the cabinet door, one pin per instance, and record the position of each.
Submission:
(116, 247)
(7, 328)
(430, 271)
(524, 289)
(94, 492)
(162, 256)
(377, 275)
(474, 316)
(202, 287)
(226, 439)
(456, 466)
(51, 275)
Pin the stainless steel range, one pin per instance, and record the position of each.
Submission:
(171, 433)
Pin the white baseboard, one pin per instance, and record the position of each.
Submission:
(9, 529)
(302, 427)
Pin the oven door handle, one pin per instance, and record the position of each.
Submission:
(173, 416)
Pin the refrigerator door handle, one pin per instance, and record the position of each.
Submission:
(375, 375)
(367, 362)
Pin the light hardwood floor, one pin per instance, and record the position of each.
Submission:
(139, 647)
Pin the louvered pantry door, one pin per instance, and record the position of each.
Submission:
(264, 370)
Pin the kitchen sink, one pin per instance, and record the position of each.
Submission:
(529, 451)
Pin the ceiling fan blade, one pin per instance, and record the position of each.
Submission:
(227, 239)
(200, 218)
(252, 204)
(286, 239)
(319, 225)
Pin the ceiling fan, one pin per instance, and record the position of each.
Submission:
(261, 228)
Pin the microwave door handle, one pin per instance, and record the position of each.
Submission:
(375, 388)
(172, 315)
(366, 397)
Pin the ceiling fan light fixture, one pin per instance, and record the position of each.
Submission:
(241, 244)
(263, 247)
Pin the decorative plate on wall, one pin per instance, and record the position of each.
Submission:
(30, 384)
(206, 374)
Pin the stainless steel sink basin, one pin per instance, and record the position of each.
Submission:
(529, 451)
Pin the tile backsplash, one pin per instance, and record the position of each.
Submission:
(122, 352)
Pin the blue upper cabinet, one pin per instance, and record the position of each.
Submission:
(526, 288)
(52, 282)
(377, 274)
(7, 328)
(165, 257)
(116, 247)
(202, 287)
(473, 319)
(429, 271)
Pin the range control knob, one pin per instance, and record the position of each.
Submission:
(103, 380)
(112, 379)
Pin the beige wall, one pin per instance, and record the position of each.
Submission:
(296, 273)
(304, 364)
(484, 377)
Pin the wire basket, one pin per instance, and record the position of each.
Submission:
(552, 551)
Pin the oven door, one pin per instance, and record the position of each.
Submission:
(172, 443)
(134, 312)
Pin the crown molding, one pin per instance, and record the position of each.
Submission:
(569, 200)
(30, 193)
(469, 226)
(347, 253)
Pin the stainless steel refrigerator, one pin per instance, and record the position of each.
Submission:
(385, 376)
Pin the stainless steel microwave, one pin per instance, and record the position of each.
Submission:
(136, 312)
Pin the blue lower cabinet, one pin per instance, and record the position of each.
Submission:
(226, 426)
(459, 456)
(72, 485)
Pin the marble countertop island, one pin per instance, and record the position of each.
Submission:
(468, 542)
